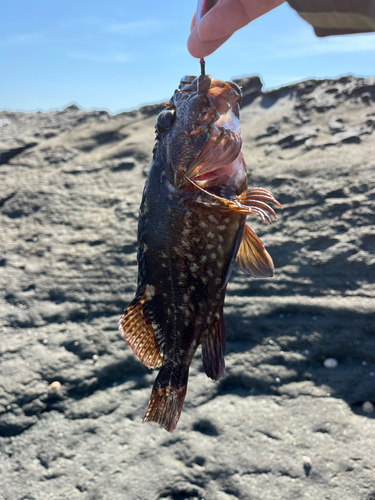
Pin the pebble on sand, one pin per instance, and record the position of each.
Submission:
(307, 464)
(368, 407)
(330, 363)
(54, 387)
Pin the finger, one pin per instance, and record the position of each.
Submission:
(223, 20)
(228, 16)
(192, 25)
(199, 49)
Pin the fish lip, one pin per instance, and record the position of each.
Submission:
(195, 84)
(204, 84)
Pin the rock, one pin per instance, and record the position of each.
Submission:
(330, 363)
(368, 407)
(307, 464)
(251, 87)
(15, 149)
(336, 125)
(54, 387)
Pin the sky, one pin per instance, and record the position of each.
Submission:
(120, 54)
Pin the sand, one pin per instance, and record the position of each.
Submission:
(283, 422)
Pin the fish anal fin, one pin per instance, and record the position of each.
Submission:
(252, 257)
(136, 328)
(213, 348)
(166, 400)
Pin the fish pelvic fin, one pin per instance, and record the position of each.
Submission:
(213, 348)
(252, 257)
(166, 400)
(136, 328)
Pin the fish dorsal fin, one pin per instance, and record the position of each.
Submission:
(136, 328)
(252, 258)
(213, 347)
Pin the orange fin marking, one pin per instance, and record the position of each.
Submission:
(137, 330)
(252, 258)
(251, 201)
(213, 350)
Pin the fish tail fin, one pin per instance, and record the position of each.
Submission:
(167, 398)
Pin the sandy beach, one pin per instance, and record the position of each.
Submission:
(293, 415)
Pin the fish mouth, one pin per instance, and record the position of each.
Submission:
(217, 160)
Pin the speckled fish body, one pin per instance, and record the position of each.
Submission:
(191, 228)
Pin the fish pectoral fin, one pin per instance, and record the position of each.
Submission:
(136, 328)
(213, 348)
(254, 201)
(252, 257)
(251, 201)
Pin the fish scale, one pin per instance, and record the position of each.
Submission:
(189, 236)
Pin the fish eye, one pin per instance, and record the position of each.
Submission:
(165, 120)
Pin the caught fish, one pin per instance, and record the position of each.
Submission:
(191, 231)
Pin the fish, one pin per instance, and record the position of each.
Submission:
(192, 229)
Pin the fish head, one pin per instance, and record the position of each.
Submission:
(185, 125)
(200, 121)
(221, 163)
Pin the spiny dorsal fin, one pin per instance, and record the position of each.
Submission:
(136, 328)
(252, 258)
(213, 349)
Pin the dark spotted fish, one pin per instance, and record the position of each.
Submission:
(191, 230)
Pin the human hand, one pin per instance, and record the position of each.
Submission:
(219, 24)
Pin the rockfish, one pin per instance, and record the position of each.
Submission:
(191, 230)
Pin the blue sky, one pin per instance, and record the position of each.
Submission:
(118, 55)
